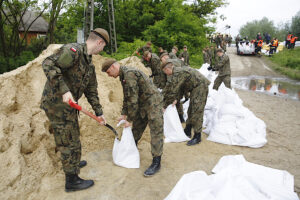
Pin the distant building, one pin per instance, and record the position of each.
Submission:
(38, 28)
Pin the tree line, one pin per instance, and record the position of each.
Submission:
(250, 29)
(164, 22)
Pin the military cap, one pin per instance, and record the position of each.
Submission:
(219, 50)
(146, 53)
(163, 54)
(102, 33)
(106, 65)
(175, 48)
(166, 63)
(184, 46)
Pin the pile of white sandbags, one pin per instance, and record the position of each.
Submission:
(235, 179)
(226, 120)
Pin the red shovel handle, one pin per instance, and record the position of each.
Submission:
(74, 105)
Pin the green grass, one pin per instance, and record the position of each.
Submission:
(287, 62)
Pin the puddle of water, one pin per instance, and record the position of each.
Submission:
(281, 87)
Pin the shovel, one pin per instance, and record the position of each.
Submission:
(78, 107)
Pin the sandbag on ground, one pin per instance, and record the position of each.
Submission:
(226, 120)
(125, 152)
(235, 179)
(173, 130)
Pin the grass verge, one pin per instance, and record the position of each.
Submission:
(287, 62)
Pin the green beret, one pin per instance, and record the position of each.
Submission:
(107, 64)
(164, 54)
(166, 63)
(219, 50)
(146, 53)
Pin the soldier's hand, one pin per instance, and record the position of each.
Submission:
(174, 103)
(122, 117)
(68, 96)
(127, 124)
(102, 119)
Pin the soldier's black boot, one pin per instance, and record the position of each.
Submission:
(154, 167)
(82, 164)
(181, 118)
(75, 183)
(196, 139)
(188, 130)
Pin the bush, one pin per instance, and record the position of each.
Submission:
(13, 63)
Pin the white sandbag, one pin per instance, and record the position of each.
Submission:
(235, 179)
(233, 123)
(125, 152)
(173, 130)
(226, 120)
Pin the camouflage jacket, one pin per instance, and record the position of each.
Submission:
(206, 58)
(70, 69)
(143, 49)
(172, 55)
(155, 64)
(186, 57)
(176, 62)
(182, 81)
(139, 93)
(223, 65)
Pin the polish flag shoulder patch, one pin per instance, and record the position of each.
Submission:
(73, 49)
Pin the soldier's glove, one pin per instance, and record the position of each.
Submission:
(209, 68)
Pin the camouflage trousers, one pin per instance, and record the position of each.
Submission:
(153, 117)
(179, 107)
(64, 123)
(222, 79)
(195, 111)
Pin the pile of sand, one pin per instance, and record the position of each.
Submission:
(27, 149)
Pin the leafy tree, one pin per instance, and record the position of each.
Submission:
(295, 25)
(178, 28)
(258, 26)
(202, 8)
(11, 19)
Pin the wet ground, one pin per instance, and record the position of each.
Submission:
(276, 86)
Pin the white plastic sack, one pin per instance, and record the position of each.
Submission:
(235, 179)
(173, 130)
(226, 120)
(125, 152)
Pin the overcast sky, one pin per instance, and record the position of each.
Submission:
(239, 12)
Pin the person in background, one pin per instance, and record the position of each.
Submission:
(184, 56)
(293, 42)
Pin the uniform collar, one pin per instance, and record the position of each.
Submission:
(121, 72)
(88, 57)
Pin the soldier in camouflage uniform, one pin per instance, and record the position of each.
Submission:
(223, 66)
(142, 105)
(184, 80)
(159, 78)
(165, 56)
(142, 50)
(184, 56)
(173, 53)
(177, 63)
(70, 73)
(206, 57)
